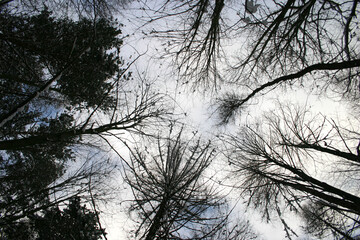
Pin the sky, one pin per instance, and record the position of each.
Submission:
(198, 110)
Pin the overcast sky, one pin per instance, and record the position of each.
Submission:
(198, 113)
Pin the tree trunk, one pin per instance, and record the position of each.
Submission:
(156, 223)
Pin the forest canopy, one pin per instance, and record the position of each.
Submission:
(85, 125)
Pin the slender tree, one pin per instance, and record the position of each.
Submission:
(172, 199)
(277, 169)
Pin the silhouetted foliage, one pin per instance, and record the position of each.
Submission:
(80, 8)
(73, 222)
(39, 47)
(60, 81)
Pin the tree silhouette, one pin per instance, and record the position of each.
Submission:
(277, 169)
(172, 199)
(61, 81)
(73, 222)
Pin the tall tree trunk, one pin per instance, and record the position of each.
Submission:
(156, 223)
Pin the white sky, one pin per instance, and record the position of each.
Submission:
(198, 110)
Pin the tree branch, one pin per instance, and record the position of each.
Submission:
(319, 66)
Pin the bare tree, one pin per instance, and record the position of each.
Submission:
(194, 39)
(278, 166)
(324, 221)
(280, 42)
(172, 199)
(311, 42)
